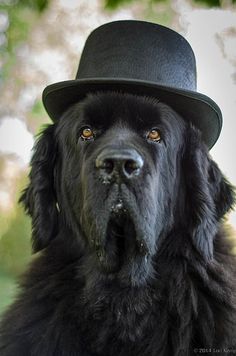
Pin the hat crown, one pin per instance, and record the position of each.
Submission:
(140, 58)
(139, 50)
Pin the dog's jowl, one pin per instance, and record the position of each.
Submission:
(127, 210)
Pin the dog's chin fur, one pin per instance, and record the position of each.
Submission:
(123, 255)
(141, 267)
(120, 244)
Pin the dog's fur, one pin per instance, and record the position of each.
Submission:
(154, 279)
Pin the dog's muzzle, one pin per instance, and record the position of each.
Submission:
(116, 165)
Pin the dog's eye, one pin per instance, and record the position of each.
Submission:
(87, 133)
(154, 135)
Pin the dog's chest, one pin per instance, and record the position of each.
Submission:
(113, 320)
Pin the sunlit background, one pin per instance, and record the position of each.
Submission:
(41, 42)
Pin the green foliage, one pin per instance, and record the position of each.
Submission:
(39, 5)
(19, 27)
(160, 11)
(38, 110)
(113, 4)
(15, 247)
(22, 15)
(210, 3)
(15, 227)
(7, 292)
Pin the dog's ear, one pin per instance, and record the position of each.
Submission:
(209, 196)
(222, 191)
(39, 198)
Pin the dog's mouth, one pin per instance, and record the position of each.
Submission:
(122, 245)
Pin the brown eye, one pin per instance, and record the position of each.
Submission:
(154, 135)
(87, 134)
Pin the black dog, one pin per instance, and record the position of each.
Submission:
(126, 206)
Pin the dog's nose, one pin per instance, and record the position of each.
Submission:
(117, 164)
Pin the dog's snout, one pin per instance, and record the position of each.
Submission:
(117, 164)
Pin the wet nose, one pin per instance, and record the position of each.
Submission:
(117, 164)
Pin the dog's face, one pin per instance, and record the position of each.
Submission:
(125, 172)
(118, 163)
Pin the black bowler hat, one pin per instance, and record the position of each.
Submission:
(141, 58)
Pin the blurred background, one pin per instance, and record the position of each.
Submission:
(41, 42)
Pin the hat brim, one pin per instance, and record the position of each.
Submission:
(197, 108)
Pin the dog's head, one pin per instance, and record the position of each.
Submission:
(121, 172)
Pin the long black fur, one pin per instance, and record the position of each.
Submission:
(160, 282)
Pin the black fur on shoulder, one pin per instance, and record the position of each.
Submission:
(127, 212)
